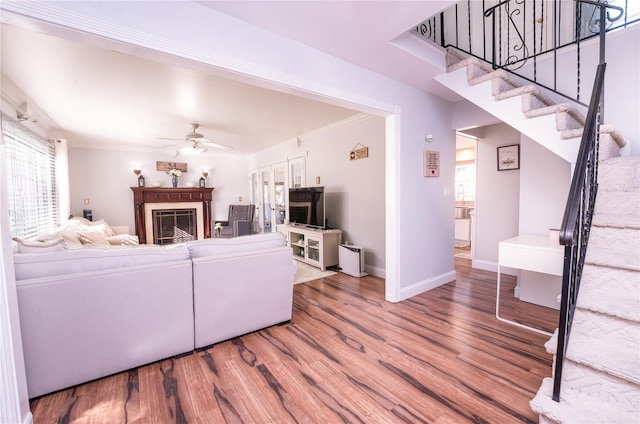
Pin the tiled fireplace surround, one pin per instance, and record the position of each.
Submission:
(147, 199)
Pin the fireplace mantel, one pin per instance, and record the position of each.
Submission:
(142, 195)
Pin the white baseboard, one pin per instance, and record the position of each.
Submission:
(426, 285)
(484, 265)
(28, 419)
(493, 267)
(375, 271)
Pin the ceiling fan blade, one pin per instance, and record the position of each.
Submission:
(167, 146)
(216, 145)
(197, 140)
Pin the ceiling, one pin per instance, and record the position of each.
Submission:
(101, 97)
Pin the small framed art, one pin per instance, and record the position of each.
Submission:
(430, 163)
(509, 157)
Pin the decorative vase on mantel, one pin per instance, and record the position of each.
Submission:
(174, 182)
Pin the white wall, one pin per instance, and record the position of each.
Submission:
(545, 179)
(421, 247)
(105, 177)
(421, 250)
(355, 194)
(497, 196)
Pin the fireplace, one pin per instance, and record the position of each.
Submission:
(174, 225)
(165, 215)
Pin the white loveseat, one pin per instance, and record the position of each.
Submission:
(88, 313)
(240, 285)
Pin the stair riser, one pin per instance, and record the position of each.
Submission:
(499, 86)
(618, 174)
(565, 121)
(610, 291)
(599, 386)
(545, 420)
(608, 147)
(604, 328)
(623, 239)
(475, 74)
(530, 102)
(605, 343)
(617, 202)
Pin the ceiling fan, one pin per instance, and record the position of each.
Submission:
(195, 142)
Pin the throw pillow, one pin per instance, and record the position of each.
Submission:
(101, 224)
(181, 236)
(92, 235)
(37, 246)
(70, 236)
(123, 239)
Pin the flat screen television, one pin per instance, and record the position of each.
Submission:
(306, 206)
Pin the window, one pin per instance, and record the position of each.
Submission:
(466, 183)
(31, 184)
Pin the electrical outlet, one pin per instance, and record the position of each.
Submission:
(239, 198)
(86, 201)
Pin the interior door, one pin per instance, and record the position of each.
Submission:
(267, 199)
(256, 199)
(280, 189)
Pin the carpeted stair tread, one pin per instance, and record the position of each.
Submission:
(605, 343)
(574, 133)
(578, 408)
(611, 291)
(614, 133)
(516, 91)
(479, 77)
(457, 60)
(557, 108)
(610, 140)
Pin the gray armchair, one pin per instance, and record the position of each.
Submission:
(239, 222)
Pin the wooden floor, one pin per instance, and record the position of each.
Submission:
(347, 356)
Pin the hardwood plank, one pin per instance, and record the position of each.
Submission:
(346, 356)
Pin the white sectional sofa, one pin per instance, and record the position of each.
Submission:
(240, 285)
(88, 313)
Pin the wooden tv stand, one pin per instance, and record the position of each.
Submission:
(313, 246)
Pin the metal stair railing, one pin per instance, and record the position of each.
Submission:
(538, 40)
(576, 224)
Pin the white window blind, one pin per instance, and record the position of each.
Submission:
(33, 206)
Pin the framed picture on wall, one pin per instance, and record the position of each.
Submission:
(509, 157)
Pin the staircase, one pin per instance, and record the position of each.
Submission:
(601, 373)
(525, 107)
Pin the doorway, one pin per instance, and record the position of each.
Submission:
(465, 195)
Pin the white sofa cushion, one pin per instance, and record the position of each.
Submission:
(215, 247)
(35, 265)
(40, 246)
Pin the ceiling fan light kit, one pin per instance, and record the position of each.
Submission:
(196, 142)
